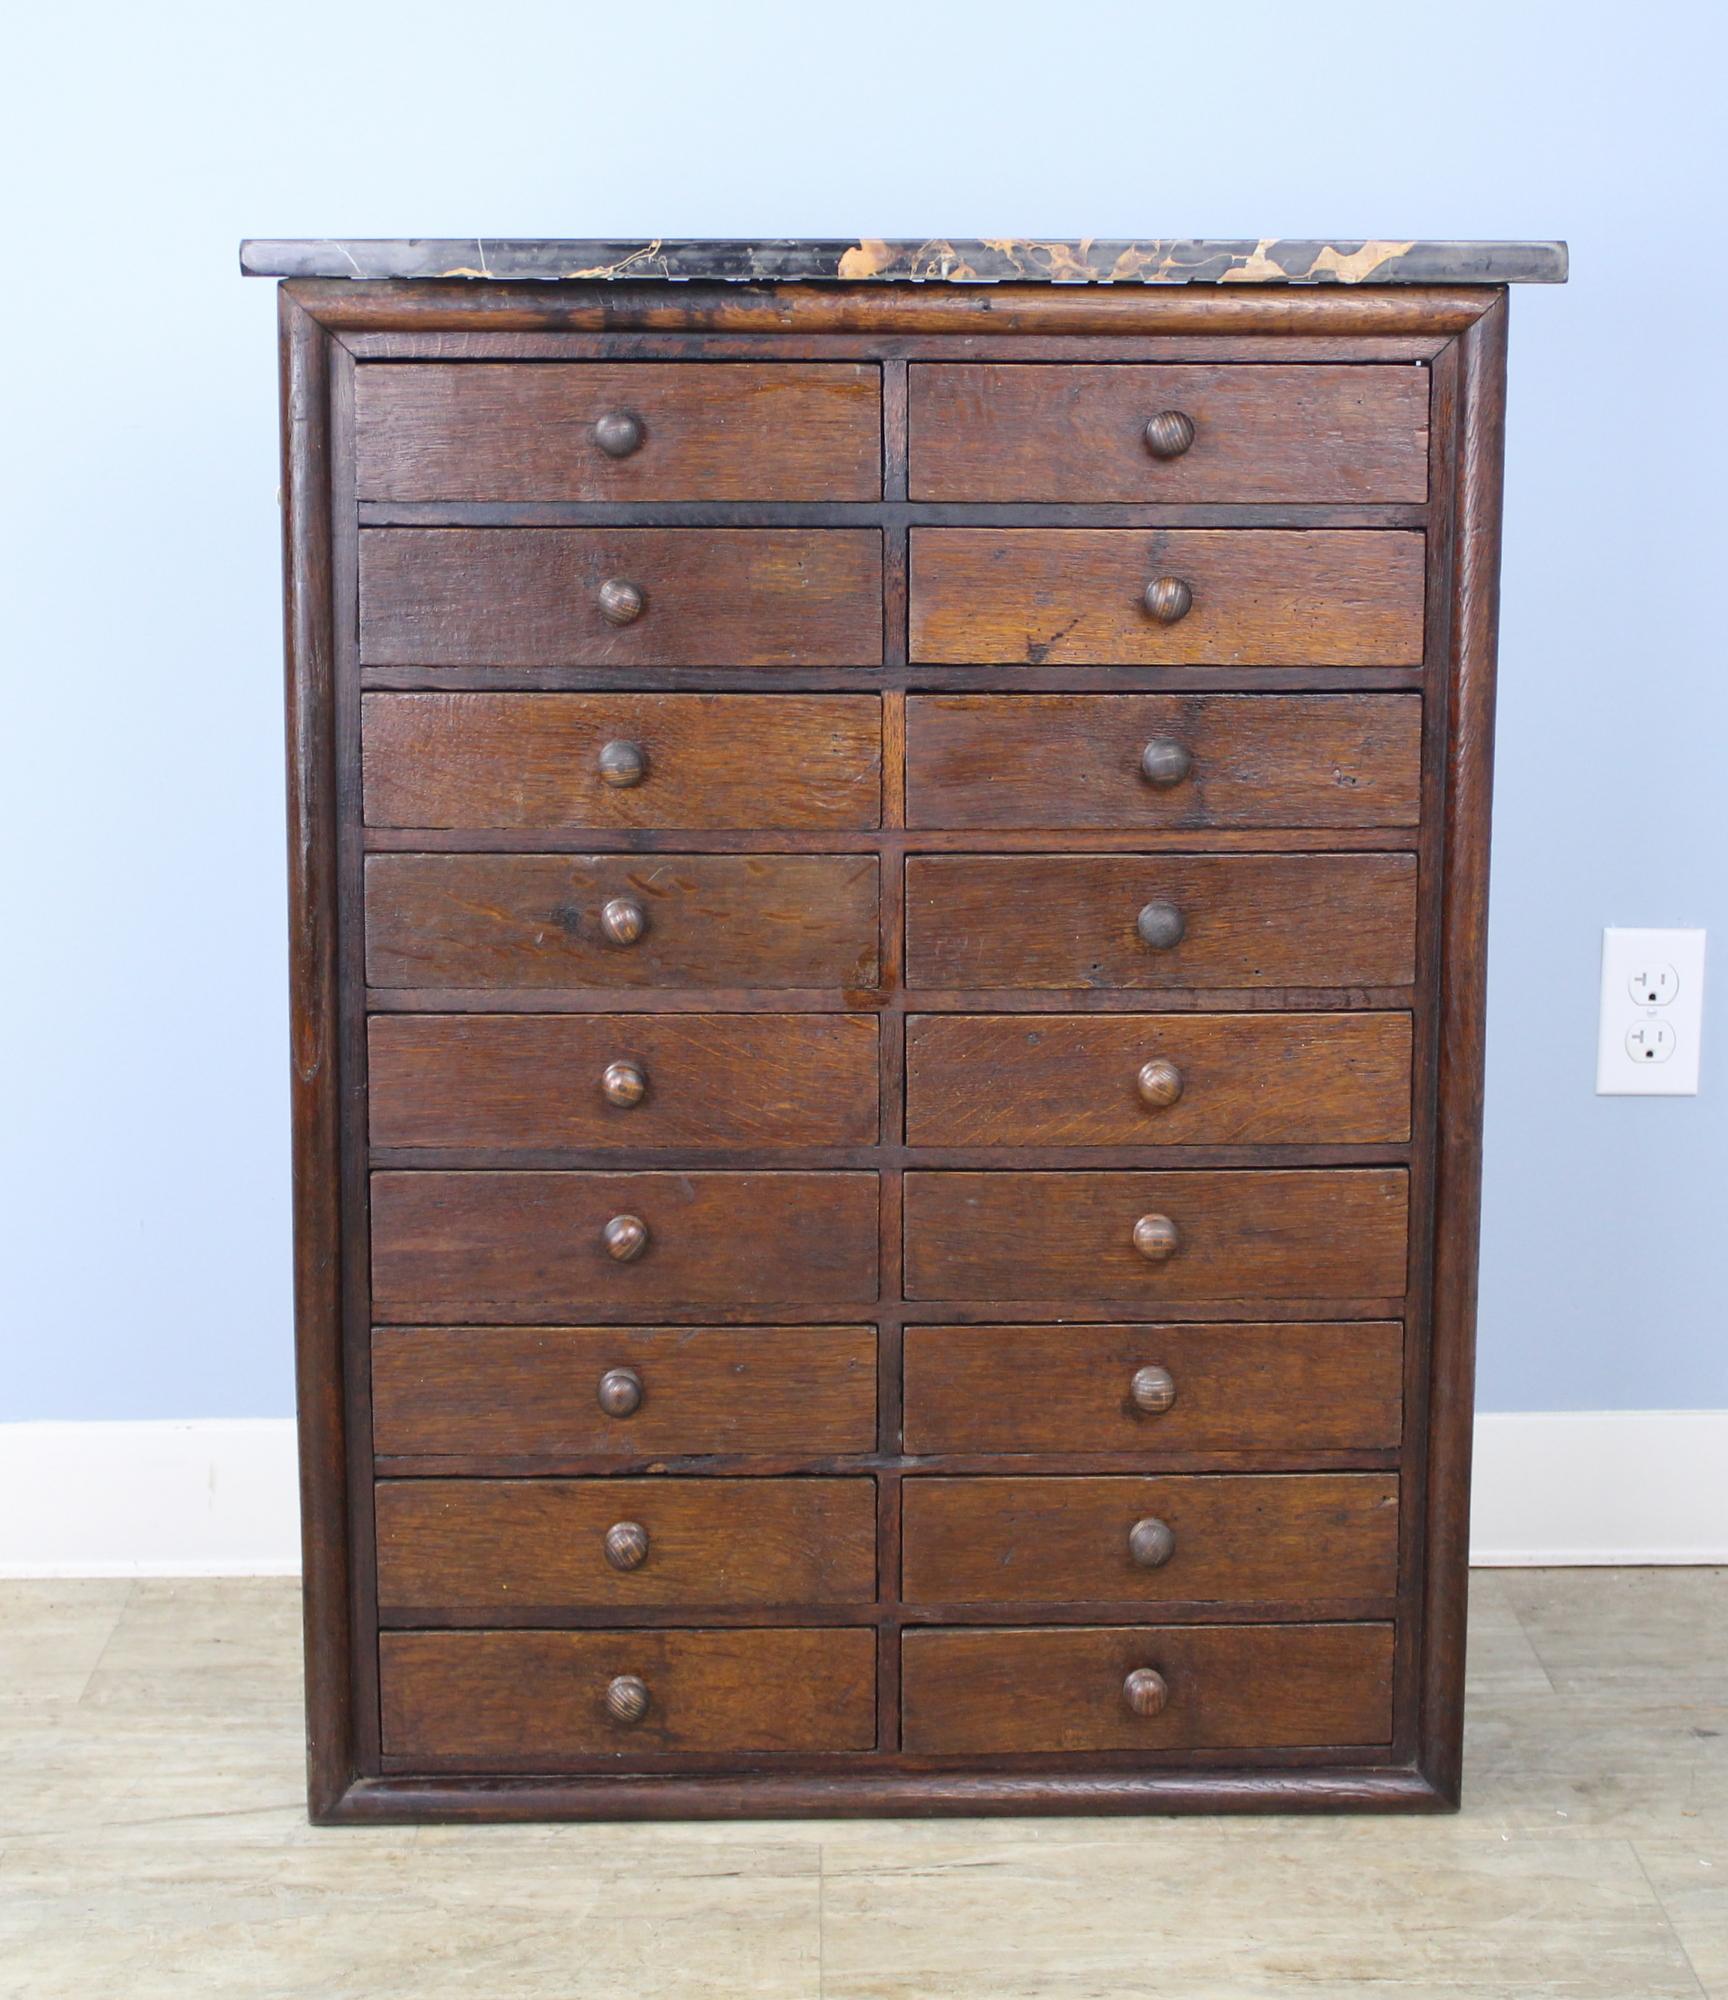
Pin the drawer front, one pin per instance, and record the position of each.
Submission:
(1059, 761)
(619, 431)
(546, 1545)
(521, 1698)
(1218, 1687)
(625, 1392)
(697, 597)
(1330, 1233)
(521, 1248)
(1157, 1079)
(1331, 1386)
(1236, 1538)
(1004, 431)
(705, 1082)
(656, 761)
(555, 921)
(1059, 597)
(977, 921)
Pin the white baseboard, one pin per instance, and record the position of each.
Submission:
(217, 1497)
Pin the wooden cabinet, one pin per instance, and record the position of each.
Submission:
(888, 899)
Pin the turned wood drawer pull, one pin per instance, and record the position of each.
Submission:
(627, 1544)
(626, 1083)
(1157, 1238)
(1150, 1543)
(1168, 599)
(622, 603)
(622, 764)
(618, 433)
(625, 1238)
(1145, 1691)
(1169, 434)
(1159, 1083)
(1163, 762)
(627, 1698)
(1161, 925)
(1152, 1390)
(620, 1392)
(623, 920)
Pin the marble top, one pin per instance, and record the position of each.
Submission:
(957, 260)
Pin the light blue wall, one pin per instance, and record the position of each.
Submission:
(146, 1271)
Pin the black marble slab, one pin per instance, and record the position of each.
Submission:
(960, 260)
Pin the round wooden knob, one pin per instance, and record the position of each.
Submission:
(622, 603)
(1157, 1238)
(622, 764)
(627, 1698)
(625, 1238)
(627, 1544)
(1150, 1543)
(1169, 434)
(620, 1392)
(1168, 598)
(623, 920)
(626, 1083)
(1152, 1390)
(1159, 1083)
(1161, 925)
(618, 433)
(1163, 762)
(1145, 1691)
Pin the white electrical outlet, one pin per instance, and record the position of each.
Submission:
(1652, 1013)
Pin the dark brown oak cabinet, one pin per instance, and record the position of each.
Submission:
(888, 891)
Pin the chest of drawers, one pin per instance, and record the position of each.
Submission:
(888, 889)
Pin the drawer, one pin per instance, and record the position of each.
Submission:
(1170, 921)
(1236, 1538)
(518, 1699)
(619, 431)
(1183, 433)
(621, 597)
(626, 1392)
(598, 1082)
(1060, 597)
(1157, 1079)
(1201, 1687)
(1064, 760)
(1327, 1233)
(547, 1545)
(554, 921)
(521, 1248)
(1289, 1387)
(656, 761)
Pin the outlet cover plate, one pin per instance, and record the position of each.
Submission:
(1652, 1013)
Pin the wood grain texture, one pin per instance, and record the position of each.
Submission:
(1071, 1079)
(783, 430)
(751, 762)
(541, 1695)
(529, 1391)
(535, 1546)
(1074, 761)
(999, 431)
(1291, 1387)
(1073, 597)
(713, 1080)
(533, 921)
(1310, 1234)
(984, 1693)
(506, 597)
(521, 1248)
(1239, 1538)
(980, 921)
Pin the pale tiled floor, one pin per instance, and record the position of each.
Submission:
(153, 1843)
